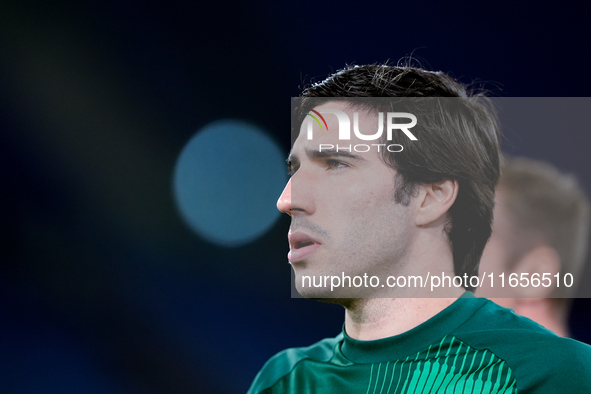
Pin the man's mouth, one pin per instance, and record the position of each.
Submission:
(301, 246)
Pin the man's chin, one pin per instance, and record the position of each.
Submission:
(335, 296)
(315, 293)
(330, 299)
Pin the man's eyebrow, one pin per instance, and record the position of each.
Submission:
(326, 153)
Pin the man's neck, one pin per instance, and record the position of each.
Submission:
(377, 318)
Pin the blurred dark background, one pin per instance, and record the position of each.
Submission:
(103, 287)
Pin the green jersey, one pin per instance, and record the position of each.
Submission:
(473, 346)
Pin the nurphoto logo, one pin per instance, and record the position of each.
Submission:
(345, 129)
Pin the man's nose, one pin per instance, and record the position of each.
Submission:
(284, 201)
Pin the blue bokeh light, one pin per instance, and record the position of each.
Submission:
(227, 180)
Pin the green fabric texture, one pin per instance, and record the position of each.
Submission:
(473, 346)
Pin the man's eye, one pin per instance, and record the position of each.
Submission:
(331, 164)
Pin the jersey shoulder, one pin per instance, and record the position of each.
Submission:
(537, 356)
(285, 361)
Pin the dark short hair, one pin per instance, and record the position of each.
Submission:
(461, 143)
(545, 206)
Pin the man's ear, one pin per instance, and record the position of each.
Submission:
(435, 199)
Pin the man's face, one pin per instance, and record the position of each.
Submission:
(344, 217)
